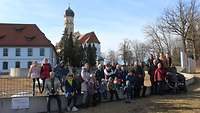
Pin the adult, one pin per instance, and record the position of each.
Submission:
(61, 72)
(52, 86)
(123, 75)
(140, 75)
(150, 65)
(108, 72)
(85, 75)
(45, 72)
(159, 78)
(168, 60)
(163, 60)
(34, 73)
(113, 69)
(99, 73)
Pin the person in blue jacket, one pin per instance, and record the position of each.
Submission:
(70, 92)
(130, 84)
(60, 73)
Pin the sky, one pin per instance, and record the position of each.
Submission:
(111, 20)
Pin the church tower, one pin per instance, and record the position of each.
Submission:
(69, 20)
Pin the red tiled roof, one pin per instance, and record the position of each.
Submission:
(22, 35)
(89, 38)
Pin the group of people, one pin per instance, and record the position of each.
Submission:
(104, 82)
(157, 69)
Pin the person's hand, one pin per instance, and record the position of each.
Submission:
(66, 95)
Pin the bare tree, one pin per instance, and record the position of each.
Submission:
(181, 19)
(160, 38)
(112, 56)
(139, 50)
(125, 51)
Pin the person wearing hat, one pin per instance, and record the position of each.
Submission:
(71, 92)
(34, 73)
(60, 73)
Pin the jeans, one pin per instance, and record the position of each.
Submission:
(38, 81)
(49, 98)
(71, 101)
(160, 87)
(85, 99)
(130, 93)
(43, 83)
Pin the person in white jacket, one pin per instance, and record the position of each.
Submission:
(34, 73)
(108, 72)
(85, 75)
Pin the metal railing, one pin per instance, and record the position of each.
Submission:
(15, 86)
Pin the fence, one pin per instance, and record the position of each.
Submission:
(15, 86)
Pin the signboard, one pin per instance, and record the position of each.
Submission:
(20, 103)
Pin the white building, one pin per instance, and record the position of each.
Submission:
(20, 44)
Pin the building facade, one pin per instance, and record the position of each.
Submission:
(20, 44)
(85, 39)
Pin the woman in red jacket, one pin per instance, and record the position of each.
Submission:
(45, 72)
(159, 78)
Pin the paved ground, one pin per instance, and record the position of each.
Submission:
(181, 103)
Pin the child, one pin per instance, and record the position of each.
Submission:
(129, 88)
(70, 92)
(92, 90)
(112, 89)
(103, 88)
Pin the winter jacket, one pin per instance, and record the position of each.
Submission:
(48, 86)
(85, 75)
(60, 72)
(108, 73)
(70, 89)
(34, 71)
(99, 74)
(132, 80)
(160, 74)
(45, 71)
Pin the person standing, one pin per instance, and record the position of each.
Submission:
(44, 72)
(85, 75)
(52, 86)
(34, 73)
(99, 73)
(159, 78)
(169, 60)
(60, 73)
(140, 75)
(108, 72)
(130, 84)
(112, 89)
(150, 66)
